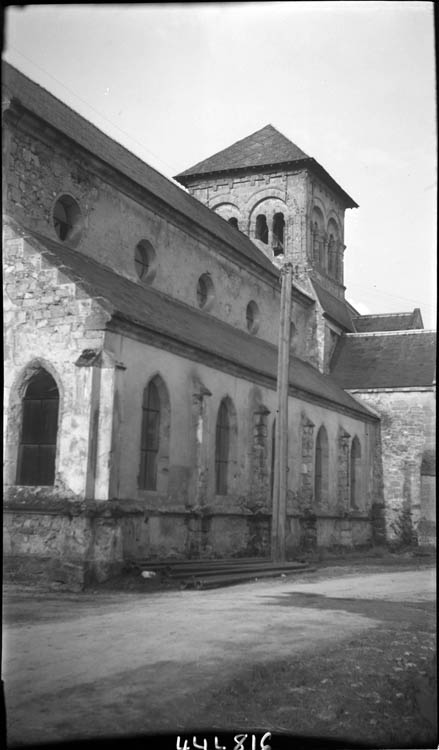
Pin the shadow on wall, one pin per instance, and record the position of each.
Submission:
(427, 522)
(402, 525)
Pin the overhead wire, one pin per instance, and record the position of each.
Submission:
(103, 117)
(388, 294)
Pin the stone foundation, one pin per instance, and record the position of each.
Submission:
(91, 543)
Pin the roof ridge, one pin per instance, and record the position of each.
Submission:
(391, 333)
(386, 315)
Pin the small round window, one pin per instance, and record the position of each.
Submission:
(205, 292)
(252, 317)
(145, 260)
(67, 220)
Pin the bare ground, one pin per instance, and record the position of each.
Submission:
(342, 652)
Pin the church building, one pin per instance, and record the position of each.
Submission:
(142, 321)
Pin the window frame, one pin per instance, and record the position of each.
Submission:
(222, 448)
(150, 437)
(38, 438)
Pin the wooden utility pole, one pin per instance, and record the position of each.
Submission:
(280, 484)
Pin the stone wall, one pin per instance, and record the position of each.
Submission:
(65, 543)
(293, 193)
(407, 431)
(47, 321)
(95, 516)
(307, 463)
(54, 323)
(113, 221)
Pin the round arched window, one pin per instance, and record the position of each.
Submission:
(205, 292)
(252, 317)
(145, 260)
(261, 229)
(67, 219)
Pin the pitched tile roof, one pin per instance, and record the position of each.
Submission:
(389, 322)
(387, 360)
(154, 311)
(334, 308)
(265, 148)
(50, 109)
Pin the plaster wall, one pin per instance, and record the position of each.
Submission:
(143, 361)
(190, 485)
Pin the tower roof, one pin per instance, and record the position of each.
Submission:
(265, 148)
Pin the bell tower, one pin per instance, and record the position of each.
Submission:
(286, 203)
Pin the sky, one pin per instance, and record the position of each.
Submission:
(351, 83)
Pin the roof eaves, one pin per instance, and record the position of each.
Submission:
(404, 332)
(66, 259)
(388, 315)
(323, 174)
(187, 177)
(309, 394)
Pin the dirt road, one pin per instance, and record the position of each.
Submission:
(78, 666)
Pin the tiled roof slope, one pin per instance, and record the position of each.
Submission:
(398, 360)
(50, 109)
(266, 146)
(389, 322)
(157, 312)
(334, 308)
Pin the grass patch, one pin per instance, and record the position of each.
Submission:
(378, 689)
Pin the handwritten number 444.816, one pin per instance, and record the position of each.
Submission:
(239, 739)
